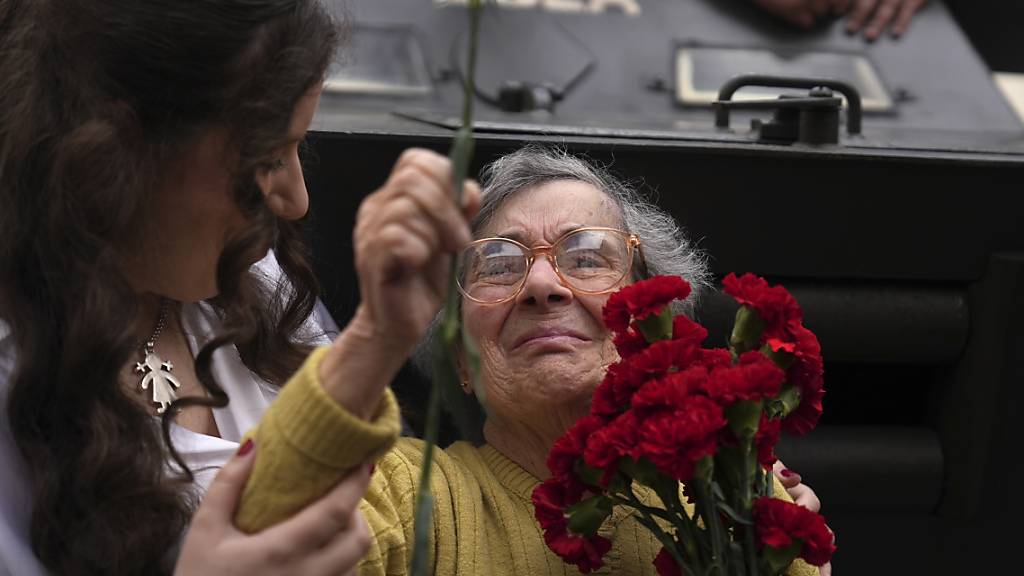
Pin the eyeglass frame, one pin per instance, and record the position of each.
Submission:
(633, 244)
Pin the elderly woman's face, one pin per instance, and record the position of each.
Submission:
(547, 348)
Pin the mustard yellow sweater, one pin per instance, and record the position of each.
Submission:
(483, 516)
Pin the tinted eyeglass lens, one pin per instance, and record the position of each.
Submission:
(593, 260)
(491, 271)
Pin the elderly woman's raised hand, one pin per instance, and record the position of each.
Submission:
(403, 238)
(404, 234)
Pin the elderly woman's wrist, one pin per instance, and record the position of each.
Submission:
(358, 367)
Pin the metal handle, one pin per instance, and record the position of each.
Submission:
(853, 117)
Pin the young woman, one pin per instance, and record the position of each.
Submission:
(150, 270)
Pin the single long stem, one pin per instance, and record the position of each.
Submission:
(745, 490)
(713, 524)
(445, 374)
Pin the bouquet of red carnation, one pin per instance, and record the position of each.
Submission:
(697, 425)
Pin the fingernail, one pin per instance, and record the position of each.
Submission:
(246, 448)
(786, 472)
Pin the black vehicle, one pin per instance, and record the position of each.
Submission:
(885, 189)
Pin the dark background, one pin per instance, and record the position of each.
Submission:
(994, 28)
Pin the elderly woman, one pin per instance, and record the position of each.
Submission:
(543, 349)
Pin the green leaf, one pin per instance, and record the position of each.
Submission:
(746, 331)
(777, 560)
(587, 516)
(667, 541)
(657, 326)
(589, 476)
(781, 358)
(734, 515)
(717, 491)
(643, 471)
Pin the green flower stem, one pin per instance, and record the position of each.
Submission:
(648, 513)
(445, 373)
(633, 502)
(708, 509)
(746, 503)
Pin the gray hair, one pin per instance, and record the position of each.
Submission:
(664, 246)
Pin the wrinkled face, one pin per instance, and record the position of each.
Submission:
(546, 349)
(193, 215)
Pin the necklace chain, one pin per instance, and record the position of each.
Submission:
(161, 320)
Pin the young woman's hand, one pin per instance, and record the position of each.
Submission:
(326, 538)
(801, 494)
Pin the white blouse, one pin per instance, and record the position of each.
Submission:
(249, 397)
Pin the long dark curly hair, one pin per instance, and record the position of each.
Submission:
(95, 97)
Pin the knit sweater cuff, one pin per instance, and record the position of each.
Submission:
(321, 429)
(305, 444)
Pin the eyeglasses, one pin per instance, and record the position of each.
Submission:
(588, 260)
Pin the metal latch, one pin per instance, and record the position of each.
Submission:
(810, 119)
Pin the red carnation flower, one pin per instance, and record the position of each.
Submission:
(755, 377)
(768, 432)
(659, 357)
(567, 449)
(606, 445)
(779, 345)
(675, 439)
(685, 329)
(604, 403)
(640, 300)
(630, 342)
(806, 373)
(780, 523)
(714, 358)
(613, 394)
(774, 304)
(550, 499)
(671, 391)
(802, 420)
(585, 553)
(666, 565)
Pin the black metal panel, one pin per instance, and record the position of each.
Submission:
(870, 323)
(769, 211)
(896, 470)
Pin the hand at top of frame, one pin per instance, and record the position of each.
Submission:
(868, 17)
(872, 17)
